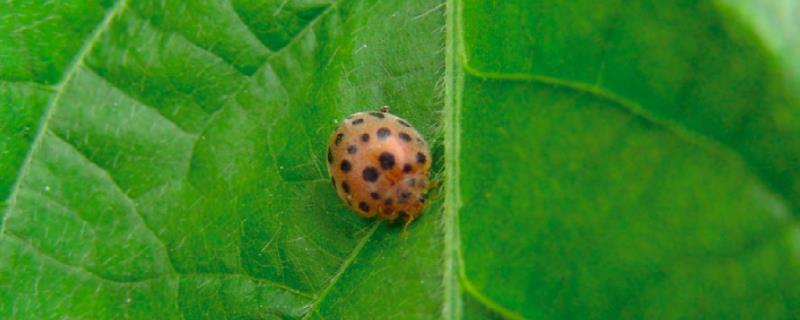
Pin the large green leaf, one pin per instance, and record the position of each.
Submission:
(632, 159)
(598, 160)
(177, 167)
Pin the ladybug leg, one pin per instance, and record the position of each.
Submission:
(435, 183)
(409, 219)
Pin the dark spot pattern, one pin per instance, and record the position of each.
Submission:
(404, 196)
(383, 133)
(421, 158)
(339, 138)
(346, 166)
(345, 187)
(370, 174)
(387, 160)
(404, 191)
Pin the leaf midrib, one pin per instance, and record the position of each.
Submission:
(451, 304)
(69, 72)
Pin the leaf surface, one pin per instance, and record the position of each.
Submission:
(176, 168)
(637, 160)
(596, 160)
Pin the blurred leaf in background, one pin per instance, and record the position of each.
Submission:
(598, 160)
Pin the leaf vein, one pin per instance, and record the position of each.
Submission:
(452, 306)
(486, 301)
(139, 100)
(696, 138)
(333, 6)
(247, 26)
(53, 203)
(71, 70)
(345, 265)
(130, 203)
(76, 268)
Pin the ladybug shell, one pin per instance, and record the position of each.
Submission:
(379, 166)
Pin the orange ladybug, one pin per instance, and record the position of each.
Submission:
(379, 165)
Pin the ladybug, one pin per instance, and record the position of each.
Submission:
(379, 165)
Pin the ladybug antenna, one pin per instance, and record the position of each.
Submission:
(385, 109)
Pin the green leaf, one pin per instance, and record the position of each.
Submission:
(175, 169)
(597, 160)
(621, 160)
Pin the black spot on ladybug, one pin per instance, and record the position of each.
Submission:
(345, 187)
(330, 156)
(407, 168)
(404, 197)
(377, 115)
(363, 206)
(346, 166)
(387, 160)
(365, 137)
(421, 199)
(421, 158)
(388, 201)
(402, 122)
(402, 213)
(339, 138)
(357, 121)
(352, 149)
(370, 174)
(383, 133)
(374, 195)
(405, 137)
